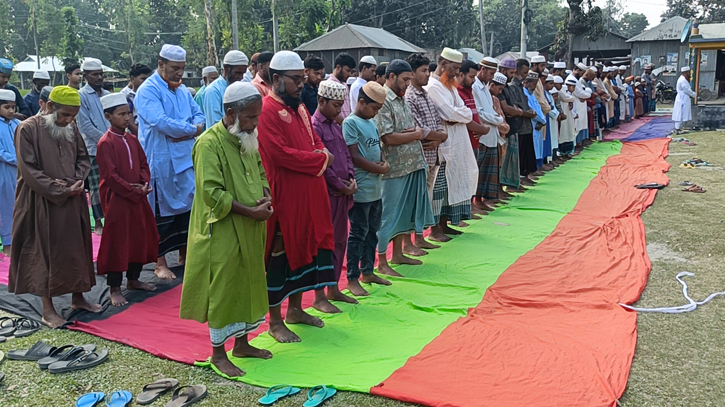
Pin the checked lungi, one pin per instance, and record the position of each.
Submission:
(488, 172)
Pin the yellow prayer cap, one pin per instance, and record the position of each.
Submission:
(65, 95)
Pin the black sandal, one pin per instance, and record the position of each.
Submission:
(35, 353)
(85, 361)
(187, 395)
(26, 327)
(65, 353)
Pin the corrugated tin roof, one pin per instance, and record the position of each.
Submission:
(668, 30)
(712, 31)
(517, 55)
(473, 54)
(50, 64)
(352, 36)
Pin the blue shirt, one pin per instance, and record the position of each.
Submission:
(91, 121)
(31, 99)
(8, 177)
(364, 133)
(199, 98)
(166, 114)
(214, 101)
(20, 104)
(540, 118)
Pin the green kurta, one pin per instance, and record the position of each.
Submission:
(225, 281)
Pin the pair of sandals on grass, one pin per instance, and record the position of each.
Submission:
(61, 359)
(182, 396)
(694, 163)
(17, 328)
(692, 187)
(315, 396)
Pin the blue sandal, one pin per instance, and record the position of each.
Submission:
(318, 395)
(277, 392)
(90, 399)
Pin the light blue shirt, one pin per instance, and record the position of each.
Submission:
(214, 101)
(91, 121)
(248, 77)
(199, 98)
(164, 115)
(540, 118)
(8, 178)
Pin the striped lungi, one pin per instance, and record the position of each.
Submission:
(510, 173)
(488, 172)
(94, 179)
(455, 213)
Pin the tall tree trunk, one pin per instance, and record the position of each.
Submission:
(212, 58)
(569, 58)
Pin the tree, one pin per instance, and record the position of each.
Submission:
(583, 19)
(682, 8)
(71, 42)
(633, 24)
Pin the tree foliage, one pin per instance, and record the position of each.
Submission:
(633, 24)
(583, 19)
(706, 11)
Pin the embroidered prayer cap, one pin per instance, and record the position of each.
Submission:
(622, 67)
(332, 90)
(550, 78)
(452, 55)
(286, 61)
(508, 63)
(173, 53)
(239, 91)
(236, 58)
(537, 59)
(581, 66)
(532, 76)
(91, 64)
(41, 75)
(6, 66)
(368, 59)
(207, 70)
(45, 92)
(571, 80)
(559, 65)
(558, 79)
(500, 78)
(65, 95)
(113, 100)
(489, 62)
(7, 95)
(374, 91)
(685, 69)
(398, 66)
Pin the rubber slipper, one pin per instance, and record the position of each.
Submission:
(26, 327)
(64, 353)
(2, 357)
(119, 399)
(90, 399)
(317, 395)
(85, 361)
(152, 391)
(2, 377)
(277, 392)
(651, 185)
(187, 395)
(7, 326)
(686, 184)
(35, 353)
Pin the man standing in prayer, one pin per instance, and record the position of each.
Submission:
(512, 108)
(229, 292)
(559, 69)
(623, 98)
(582, 92)
(300, 236)
(263, 79)
(92, 124)
(44, 94)
(649, 100)
(168, 122)
(380, 73)
(138, 73)
(567, 131)
(539, 121)
(552, 121)
(252, 70)
(682, 111)
(52, 250)
(8, 167)
(41, 79)
(344, 65)
(611, 103)
(406, 203)
(235, 66)
(6, 70)
(341, 184)
(208, 74)
(527, 148)
(366, 72)
(74, 75)
(315, 72)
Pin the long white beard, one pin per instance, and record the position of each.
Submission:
(57, 132)
(249, 141)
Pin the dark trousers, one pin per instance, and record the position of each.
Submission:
(602, 116)
(617, 111)
(365, 221)
(115, 278)
(527, 154)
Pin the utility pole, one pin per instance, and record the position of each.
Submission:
(35, 36)
(483, 31)
(235, 26)
(275, 26)
(524, 7)
(491, 45)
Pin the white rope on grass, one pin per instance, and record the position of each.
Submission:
(691, 306)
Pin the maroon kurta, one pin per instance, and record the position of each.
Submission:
(129, 232)
(52, 252)
(287, 144)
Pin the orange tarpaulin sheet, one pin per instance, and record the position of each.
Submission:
(550, 331)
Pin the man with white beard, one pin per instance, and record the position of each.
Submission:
(52, 250)
(231, 205)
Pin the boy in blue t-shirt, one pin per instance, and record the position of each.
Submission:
(363, 141)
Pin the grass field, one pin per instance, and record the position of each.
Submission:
(678, 359)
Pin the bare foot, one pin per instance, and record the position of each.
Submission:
(226, 366)
(375, 279)
(99, 228)
(527, 182)
(438, 236)
(137, 285)
(413, 250)
(242, 350)
(282, 334)
(298, 316)
(463, 224)
(402, 259)
(424, 244)
(181, 260)
(323, 305)
(164, 273)
(336, 295)
(537, 174)
(356, 289)
(477, 217)
(79, 302)
(53, 320)
(117, 298)
(448, 231)
(6, 252)
(385, 268)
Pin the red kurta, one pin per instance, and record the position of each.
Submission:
(299, 193)
(467, 96)
(129, 232)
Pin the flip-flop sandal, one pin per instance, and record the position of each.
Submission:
(26, 327)
(90, 399)
(187, 395)
(651, 185)
(64, 353)
(318, 395)
(35, 353)
(8, 326)
(119, 399)
(695, 188)
(2, 357)
(277, 392)
(85, 361)
(152, 391)
(686, 184)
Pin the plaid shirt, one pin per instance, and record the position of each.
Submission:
(426, 117)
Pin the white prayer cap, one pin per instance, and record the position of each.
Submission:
(173, 53)
(636, 84)
(7, 95)
(559, 65)
(207, 70)
(685, 69)
(489, 62)
(622, 67)
(351, 80)
(537, 59)
(568, 72)
(41, 75)
(332, 90)
(554, 91)
(236, 58)
(239, 91)
(581, 66)
(91, 64)
(286, 61)
(452, 55)
(368, 59)
(558, 79)
(593, 69)
(546, 72)
(571, 80)
(113, 100)
(500, 78)
(550, 78)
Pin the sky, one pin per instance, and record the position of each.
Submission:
(650, 8)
